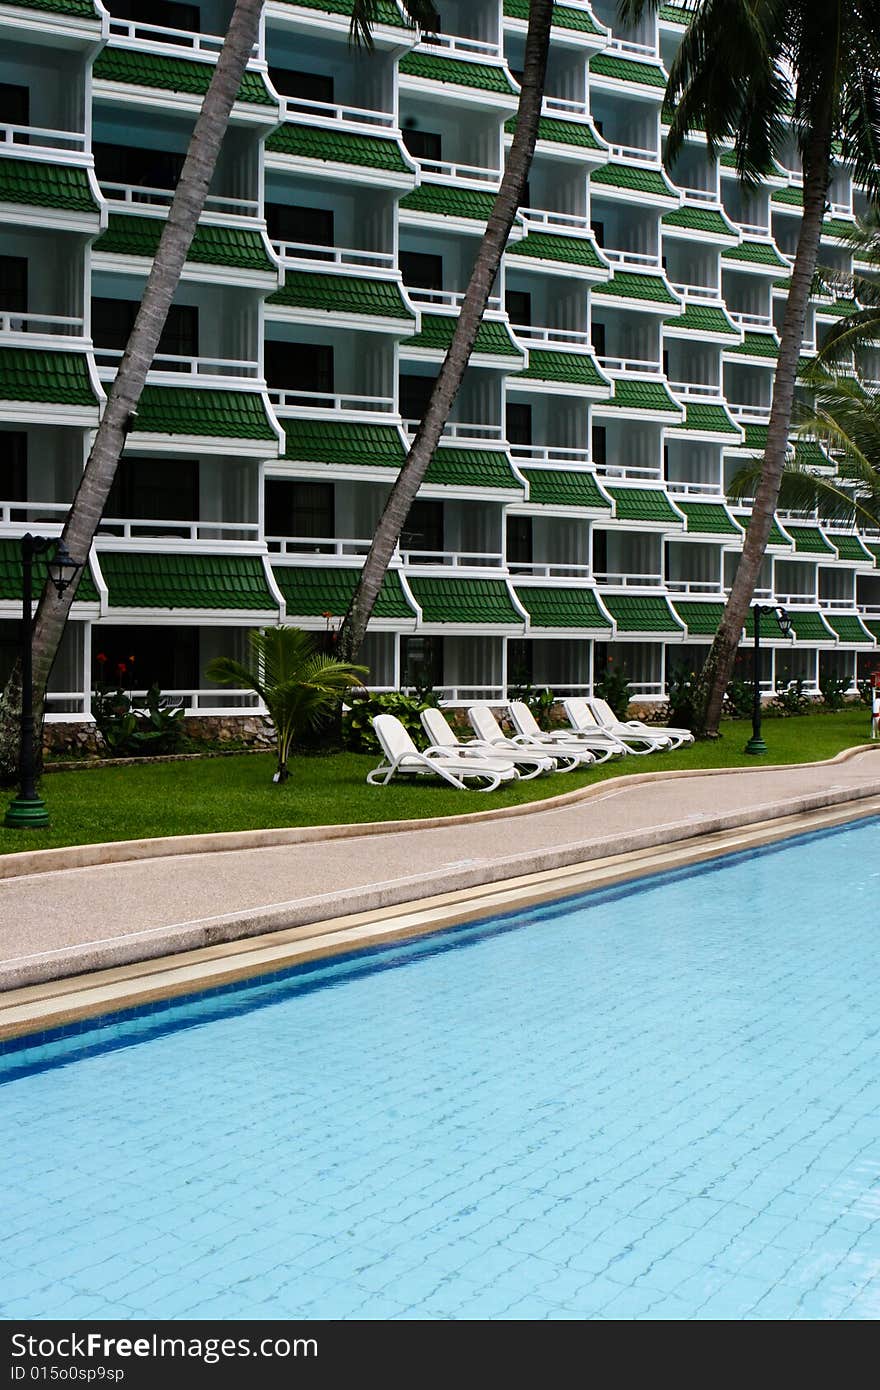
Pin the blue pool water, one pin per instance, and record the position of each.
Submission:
(660, 1102)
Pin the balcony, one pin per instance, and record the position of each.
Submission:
(170, 367)
(695, 390)
(633, 260)
(463, 431)
(694, 490)
(629, 366)
(752, 413)
(639, 154)
(631, 49)
(449, 299)
(543, 570)
(695, 587)
(164, 532)
(37, 142)
(759, 321)
(538, 219)
(630, 581)
(294, 400)
(135, 197)
(39, 330)
(695, 291)
(301, 253)
(551, 455)
(537, 335)
(184, 42)
(302, 110)
(459, 46)
(698, 195)
(460, 173)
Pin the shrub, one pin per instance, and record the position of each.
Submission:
(740, 698)
(132, 731)
(833, 689)
(613, 686)
(681, 687)
(792, 698)
(357, 728)
(540, 700)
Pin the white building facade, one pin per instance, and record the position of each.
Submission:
(576, 512)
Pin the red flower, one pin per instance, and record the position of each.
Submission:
(121, 668)
(101, 658)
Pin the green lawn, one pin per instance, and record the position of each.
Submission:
(236, 793)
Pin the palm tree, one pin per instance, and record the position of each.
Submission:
(745, 69)
(446, 387)
(298, 684)
(91, 495)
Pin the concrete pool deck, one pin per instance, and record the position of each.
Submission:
(146, 919)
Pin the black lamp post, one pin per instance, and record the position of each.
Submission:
(28, 810)
(756, 743)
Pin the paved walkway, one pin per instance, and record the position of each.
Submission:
(75, 919)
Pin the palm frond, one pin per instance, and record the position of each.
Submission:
(366, 13)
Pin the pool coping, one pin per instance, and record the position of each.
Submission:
(38, 861)
(71, 999)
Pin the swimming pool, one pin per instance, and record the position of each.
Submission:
(657, 1101)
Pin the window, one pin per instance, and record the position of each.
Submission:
(415, 392)
(167, 14)
(423, 529)
(597, 335)
(15, 104)
(180, 336)
(131, 164)
(666, 362)
(600, 552)
(600, 126)
(421, 661)
(599, 233)
(308, 86)
(519, 423)
(422, 271)
(300, 366)
(520, 664)
(519, 306)
(300, 509)
(166, 656)
(13, 284)
(599, 446)
(526, 198)
(155, 490)
(113, 319)
(519, 540)
(13, 466)
(306, 226)
(423, 144)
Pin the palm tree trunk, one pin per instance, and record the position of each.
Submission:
(446, 387)
(716, 672)
(180, 228)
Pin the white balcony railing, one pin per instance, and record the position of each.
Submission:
(630, 581)
(617, 45)
(462, 430)
(751, 320)
(333, 255)
(694, 489)
(749, 412)
(638, 153)
(34, 138)
(175, 365)
(448, 299)
(134, 194)
(564, 106)
(698, 195)
(540, 570)
(338, 548)
(460, 45)
(629, 365)
(452, 559)
(846, 605)
(147, 35)
(567, 221)
(840, 209)
(476, 173)
(18, 514)
(695, 291)
(42, 325)
(695, 586)
(551, 455)
(294, 399)
(535, 333)
(632, 471)
(796, 599)
(752, 228)
(703, 390)
(297, 107)
(202, 700)
(636, 258)
(124, 528)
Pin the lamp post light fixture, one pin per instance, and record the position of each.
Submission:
(756, 743)
(28, 810)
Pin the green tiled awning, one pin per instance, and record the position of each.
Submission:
(839, 309)
(338, 147)
(563, 608)
(33, 184)
(632, 394)
(700, 619)
(628, 284)
(56, 378)
(238, 247)
(691, 219)
(755, 253)
(386, 10)
(212, 414)
(80, 9)
(133, 67)
(547, 246)
(755, 437)
(342, 294)
(431, 67)
(575, 368)
(810, 626)
(708, 419)
(764, 345)
(564, 16)
(836, 228)
(493, 336)
(709, 519)
(873, 626)
(848, 628)
(327, 441)
(776, 537)
(788, 197)
(442, 200)
(703, 318)
(310, 592)
(634, 178)
(11, 576)
(628, 70)
(810, 454)
(769, 628)
(172, 581)
(809, 540)
(452, 466)
(850, 547)
(460, 601)
(644, 504)
(673, 14)
(564, 487)
(575, 133)
(642, 613)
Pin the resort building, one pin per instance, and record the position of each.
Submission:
(576, 513)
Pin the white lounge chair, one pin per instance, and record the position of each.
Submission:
(601, 748)
(605, 714)
(584, 721)
(403, 759)
(487, 728)
(442, 735)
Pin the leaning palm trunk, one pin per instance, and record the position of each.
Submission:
(446, 387)
(95, 483)
(716, 672)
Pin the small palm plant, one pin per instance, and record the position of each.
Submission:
(298, 684)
